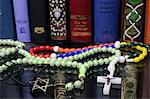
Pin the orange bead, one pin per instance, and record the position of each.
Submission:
(60, 50)
(66, 50)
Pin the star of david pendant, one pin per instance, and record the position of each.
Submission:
(41, 84)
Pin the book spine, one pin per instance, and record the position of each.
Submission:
(80, 20)
(38, 16)
(22, 21)
(132, 20)
(58, 24)
(7, 27)
(106, 20)
(147, 24)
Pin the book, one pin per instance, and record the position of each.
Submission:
(7, 26)
(21, 19)
(147, 23)
(80, 20)
(106, 20)
(58, 16)
(38, 16)
(132, 24)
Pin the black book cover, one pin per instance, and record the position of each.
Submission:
(38, 15)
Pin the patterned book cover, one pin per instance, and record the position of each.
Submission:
(132, 20)
(147, 23)
(38, 15)
(58, 25)
(80, 20)
(106, 20)
(7, 27)
(21, 19)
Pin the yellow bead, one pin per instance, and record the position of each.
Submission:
(123, 43)
(141, 57)
(137, 59)
(138, 47)
(144, 53)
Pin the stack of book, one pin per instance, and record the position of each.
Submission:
(84, 21)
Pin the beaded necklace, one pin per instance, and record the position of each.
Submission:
(11, 43)
(62, 62)
(34, 51)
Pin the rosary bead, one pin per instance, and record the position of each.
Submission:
(111, 68)
(78, 84)
(87, 65)
(141, 57)
(90, 63)
(53, 55)
(56, 48)
(106, 60)
(68, 63)
(82, 69)
(117, 44)
(95, 62)
(69, 86)
(57, 63)
(74, 64)
(136, 60)
(101, 61)
(81, 76)
(122, 59)
(63, 63)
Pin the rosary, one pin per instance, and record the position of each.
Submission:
(65, 69)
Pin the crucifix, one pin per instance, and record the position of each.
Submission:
(107, 82)
(109, 79)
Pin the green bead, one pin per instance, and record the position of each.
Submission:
(79, 65)
(95, 50)
(109, 49)
(69, 63)
(69, 86)
(106, 60)
(76, 57)
(91, 51)
(57, 63)
(87, 65)
(101, 61)
(90, 63)
(80, 56)
(52, 62)
(95, 62)
(77, 84)
(70, 58)
(104, 49)
(74, 64)
(63, 63)
(81, 75)
(82, 69)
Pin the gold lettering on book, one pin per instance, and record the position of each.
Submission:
(39, 30)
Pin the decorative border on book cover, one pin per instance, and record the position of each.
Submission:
(133, 20)
(57, 11)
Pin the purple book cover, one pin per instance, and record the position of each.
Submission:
(22, 21)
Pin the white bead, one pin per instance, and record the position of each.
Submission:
(122, 59)
(53, 55)
(55, 48)
(129, 60)
(117, 44)
(112, 63)
(111, 68)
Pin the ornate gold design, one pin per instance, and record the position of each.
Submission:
(39, 30)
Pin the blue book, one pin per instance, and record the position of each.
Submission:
(106, 20)
(22, 21)
(7, 29)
